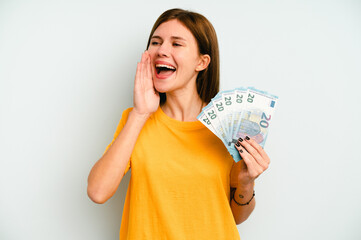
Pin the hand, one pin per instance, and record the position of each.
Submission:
(146, 98)
(255, 161)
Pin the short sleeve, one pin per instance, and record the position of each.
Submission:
(120, 126)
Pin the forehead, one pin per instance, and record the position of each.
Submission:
(173, 28)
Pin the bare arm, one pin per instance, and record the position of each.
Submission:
(105, 176)
(242, 195)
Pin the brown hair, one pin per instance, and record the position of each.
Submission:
(205, 35)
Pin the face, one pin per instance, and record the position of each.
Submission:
(175, 57)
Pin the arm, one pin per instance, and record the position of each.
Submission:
(242, 195)
(243, 174)
(107, 173)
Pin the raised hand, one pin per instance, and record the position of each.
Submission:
(255, 162)
(146, 98)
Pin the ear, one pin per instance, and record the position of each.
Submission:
(204, 61)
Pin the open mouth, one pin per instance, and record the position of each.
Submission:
(164, 70)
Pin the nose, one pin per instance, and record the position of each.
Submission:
(163, 50)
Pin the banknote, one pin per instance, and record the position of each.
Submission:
(228, 99)
(239, 102)
(219, 107)
(202, 117)
(213, 117)
(234, 114)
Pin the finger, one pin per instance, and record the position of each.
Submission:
(141, 73)
(259, 149)
(252, 151)
(146, 73)
(152, 68)
(142, 60)
(148, 67)
(140, 83)
(253, 167)
(137, 74)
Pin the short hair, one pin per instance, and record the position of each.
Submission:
(207, 80)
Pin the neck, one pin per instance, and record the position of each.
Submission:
(183, 106)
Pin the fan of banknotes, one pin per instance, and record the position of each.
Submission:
(238, 113)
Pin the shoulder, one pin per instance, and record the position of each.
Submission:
(120, 126)
(123, 120)
(125, 114)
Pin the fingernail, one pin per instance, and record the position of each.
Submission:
(241, 150)
(240, 139)
(238, 144)
(247, 138)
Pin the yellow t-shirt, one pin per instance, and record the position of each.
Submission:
(179, 186)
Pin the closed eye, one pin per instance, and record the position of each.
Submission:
(177, 44)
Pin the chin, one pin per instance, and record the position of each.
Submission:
(162, 86)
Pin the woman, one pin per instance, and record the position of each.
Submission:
(184, 184)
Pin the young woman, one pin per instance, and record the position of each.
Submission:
(184, 184)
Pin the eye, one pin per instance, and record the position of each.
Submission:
(177, 44)
(154, 43)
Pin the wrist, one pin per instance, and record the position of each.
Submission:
(242, 203)
(140, 116)
(243, 194)
(245, 187)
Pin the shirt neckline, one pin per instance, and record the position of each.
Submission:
(176, 123)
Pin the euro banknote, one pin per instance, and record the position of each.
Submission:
(237, 113)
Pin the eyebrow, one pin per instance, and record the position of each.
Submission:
(173, 37)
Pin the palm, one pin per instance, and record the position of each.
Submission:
(146, 98)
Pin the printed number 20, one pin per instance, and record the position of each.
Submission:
(212, 115)
(250, 98)
(264, 122)
(206, 121)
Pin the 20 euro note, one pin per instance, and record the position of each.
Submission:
(202, 117)
(228, 98)
(239, 103)
(219, 107)
(213, 118)
(256, 118)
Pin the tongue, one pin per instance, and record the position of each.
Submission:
(165, 73)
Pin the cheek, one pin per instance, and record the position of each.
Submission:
(151, 50)
(151, 54)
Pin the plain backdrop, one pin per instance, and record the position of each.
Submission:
(66, 74)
